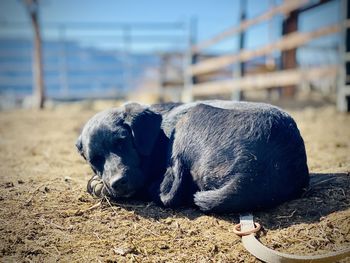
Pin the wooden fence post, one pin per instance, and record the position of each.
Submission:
(238, 71)
(289, 60)
(39, 94)
(343, 84)
(191, 59)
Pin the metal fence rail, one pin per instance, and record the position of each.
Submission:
(76, 70)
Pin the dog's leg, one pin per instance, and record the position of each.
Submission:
(176, 186)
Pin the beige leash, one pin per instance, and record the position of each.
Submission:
(247, 229)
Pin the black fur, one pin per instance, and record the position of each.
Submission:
(247, 156)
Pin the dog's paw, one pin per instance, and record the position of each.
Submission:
(96, 188)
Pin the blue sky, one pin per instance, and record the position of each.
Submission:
(212, 18)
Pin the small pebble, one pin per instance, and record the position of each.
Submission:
(124, 250)
(67, 179)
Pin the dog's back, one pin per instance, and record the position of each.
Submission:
(249, 157)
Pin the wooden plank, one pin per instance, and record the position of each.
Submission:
(288, 42)
(284, 8)
(265, 80)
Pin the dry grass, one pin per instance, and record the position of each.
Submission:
(46, 215)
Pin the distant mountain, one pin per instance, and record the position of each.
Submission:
(70, 69)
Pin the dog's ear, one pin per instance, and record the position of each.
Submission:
(145, 126)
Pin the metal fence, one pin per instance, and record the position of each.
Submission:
(88, 60)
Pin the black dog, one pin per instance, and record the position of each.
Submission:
(247, 156)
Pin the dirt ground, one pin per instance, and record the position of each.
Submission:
(47, 216)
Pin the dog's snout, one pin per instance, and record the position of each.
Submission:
(118, 183)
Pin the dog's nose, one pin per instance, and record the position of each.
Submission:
(119, 183)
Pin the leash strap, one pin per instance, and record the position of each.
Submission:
(247, 229)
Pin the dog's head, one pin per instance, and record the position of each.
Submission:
(115, 141)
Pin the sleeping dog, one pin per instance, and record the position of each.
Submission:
(221, 156)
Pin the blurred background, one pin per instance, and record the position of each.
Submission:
(155, 51)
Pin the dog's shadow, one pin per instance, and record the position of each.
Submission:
(327, 193)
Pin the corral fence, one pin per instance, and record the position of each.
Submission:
(87, 60)
(200, 75)
(74, 68)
